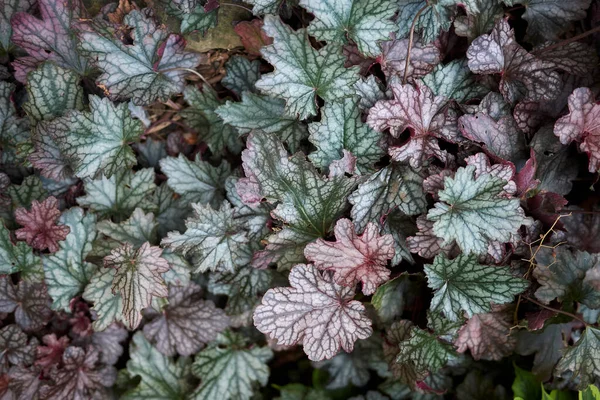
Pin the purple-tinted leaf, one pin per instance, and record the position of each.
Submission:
(424, 114)
(487, 336)
(581, 229)
(40, 229)
(500, 139)
(138, 278)
(109, 343)
(29, 302)
(547, 345)
(425, 243)
(48, 38)
(82, 376)
(354, 258)
(582, 125)
(50, 353)
(574, 58)
(314, 311)
(547, 19)
(7, 9)
(186, 323)
(523, 75)
(25, 382)
(15, 348)
(423, 58)
(150, 69)
(505, 172)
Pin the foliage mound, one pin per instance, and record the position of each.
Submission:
(365, 199)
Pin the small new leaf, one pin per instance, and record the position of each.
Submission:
(40, 229)
(314, 311)
(462, 284)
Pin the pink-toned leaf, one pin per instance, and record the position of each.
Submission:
(29, 301)
(582, 125)
(503, 171)
(522, 74)
(525, 178)
(425, 115)
(50, 354)
(40, 229)
(423, 58)
(354, 258)
(345, 165)
(48, 38)
(82, 376)
(186, 323)
(314, 311)
(252, 36)
(487, 336)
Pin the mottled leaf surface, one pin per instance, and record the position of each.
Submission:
(137, 278)
(49, 38)
(472, 212)
(197, 181)
(363, 22)
(301, 72)
(40, 229)
(213, 239)
(462, 284)
(187, 322)
(67, 272)
(424, 114)
(354, 258)
(314, 311)
(582, 125)
(150, 69)
(97, 141)
(264, 113)
(340, 129)
(229, 370)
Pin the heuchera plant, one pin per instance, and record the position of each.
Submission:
(359, 199)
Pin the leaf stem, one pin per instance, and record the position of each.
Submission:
(568, 314)
(198, 74)
(567, 41)
(410, 42)
(235, 5)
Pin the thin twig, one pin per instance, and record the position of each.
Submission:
(410, 42)
(567, 41)
(568, 314)
(235, 5)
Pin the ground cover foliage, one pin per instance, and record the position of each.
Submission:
(389, 199)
